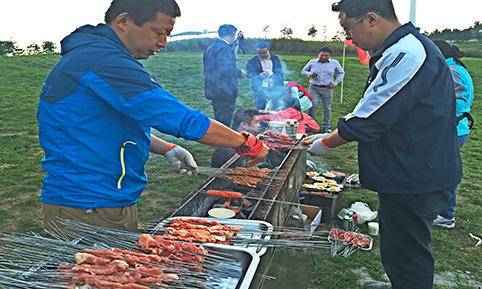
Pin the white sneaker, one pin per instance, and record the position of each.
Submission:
(444, 222)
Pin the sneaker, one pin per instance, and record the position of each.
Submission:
(444, 222)
(376, 285)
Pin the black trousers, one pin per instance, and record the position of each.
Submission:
(223, 109)
(406, 236)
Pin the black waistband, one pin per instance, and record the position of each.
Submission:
(324, 86)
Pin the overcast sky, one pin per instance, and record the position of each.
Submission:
(27, 21)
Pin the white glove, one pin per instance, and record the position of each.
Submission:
(312, 138)
(181, 160)
(318, 148)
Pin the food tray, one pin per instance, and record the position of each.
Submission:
(241, 274)
(257, 230)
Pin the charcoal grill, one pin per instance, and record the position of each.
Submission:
(285, 184)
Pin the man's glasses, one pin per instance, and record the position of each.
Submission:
(350, 28)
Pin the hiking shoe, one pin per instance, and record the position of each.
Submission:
(444, 222)
(376, 285)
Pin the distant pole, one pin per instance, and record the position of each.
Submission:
(413, 12)
(343, 66)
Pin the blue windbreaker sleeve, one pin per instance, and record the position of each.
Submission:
(462, 89)
(123, 83)
(388, 98)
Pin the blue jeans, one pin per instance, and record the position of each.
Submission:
(449, 211)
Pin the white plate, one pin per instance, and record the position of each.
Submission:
(221, 213)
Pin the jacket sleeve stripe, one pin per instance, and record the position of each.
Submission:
(397, 67)
(385, 71)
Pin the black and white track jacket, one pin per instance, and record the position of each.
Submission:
(405, 123)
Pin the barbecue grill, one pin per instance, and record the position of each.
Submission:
(287, 178)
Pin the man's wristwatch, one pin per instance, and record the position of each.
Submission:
(251, 147)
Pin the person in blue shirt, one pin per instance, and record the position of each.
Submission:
(96, 111)
(405, 127)
(324, 74)
(464, 94)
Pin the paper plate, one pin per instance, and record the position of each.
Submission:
(221, 213)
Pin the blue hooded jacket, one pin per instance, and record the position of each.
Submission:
(464, 93)
(95, 113)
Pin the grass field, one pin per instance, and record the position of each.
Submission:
(457, 260)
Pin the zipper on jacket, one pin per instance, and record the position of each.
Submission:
(122, 161)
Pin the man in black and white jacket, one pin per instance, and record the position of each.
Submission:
(406, 131)
(266, 74)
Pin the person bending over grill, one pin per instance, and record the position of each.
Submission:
(243, 120)
(96, 111)
(405, 126)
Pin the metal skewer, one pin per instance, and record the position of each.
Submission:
(237, 195)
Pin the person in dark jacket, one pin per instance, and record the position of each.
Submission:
(221, 74)
(240, 43)
(266, 74)
(96, 111)
(405, 127)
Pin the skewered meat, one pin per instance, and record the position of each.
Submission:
(81, 258)
(163, 246)
(356, 240)
(250, 177)
(190, 230)
(219, 229)
(277, 141)
(126, 269)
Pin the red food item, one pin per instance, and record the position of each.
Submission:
(165, 246)
(81, 258)
(195, 221)
(126, 269)
(225, 194)
(346, 237)
(191, 232)
(277, 141)
(105, 269)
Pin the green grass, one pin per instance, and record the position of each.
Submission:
(181, 73)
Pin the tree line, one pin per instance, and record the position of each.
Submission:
(469, 40)
(10, 47)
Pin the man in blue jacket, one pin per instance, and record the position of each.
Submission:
(96, 111)
(405, 127)
(221, 74)
(266, 74)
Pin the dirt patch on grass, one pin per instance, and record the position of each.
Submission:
(456, 279)
(442, 280)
